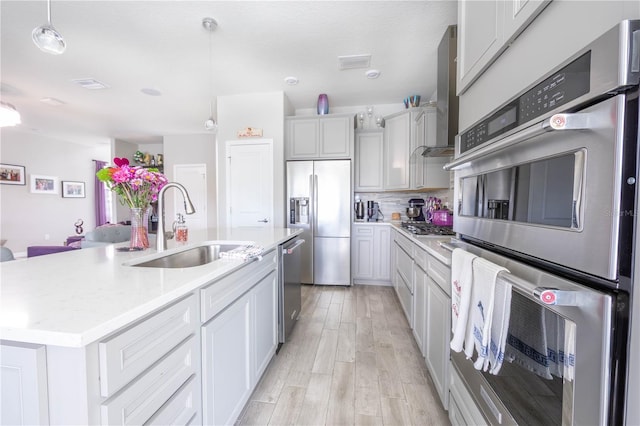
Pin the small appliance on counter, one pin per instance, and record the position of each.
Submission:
(358, 208)
(414, 211)
(373, 212)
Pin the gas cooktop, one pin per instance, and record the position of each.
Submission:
(425, 228)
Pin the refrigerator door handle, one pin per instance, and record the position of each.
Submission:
(315, 204)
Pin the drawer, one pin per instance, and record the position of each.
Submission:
(440, 273)
(127, 354)
(221, 293)
(182, 408)
(420, 257)
(404, 242)
(145, 395)
(363, 231)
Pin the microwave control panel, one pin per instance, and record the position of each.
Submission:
(564, 85)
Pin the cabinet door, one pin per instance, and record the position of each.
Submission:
(418, 138)
(363, 252)
(397, 145)
(420, 303)
(369, 161)
(264, 334)
(438, 338)
(518, 14)
(226, 364)
(382, 253)
(336, 137)
(303, 138)
(23, 379)
(480, 38)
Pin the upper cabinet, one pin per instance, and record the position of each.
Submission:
(324, 136)
(485, 29)
(397, 150)
(369, 161)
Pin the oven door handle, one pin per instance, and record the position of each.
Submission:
(557, 122)
(544, 295)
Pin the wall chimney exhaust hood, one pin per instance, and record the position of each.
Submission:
(447, 105)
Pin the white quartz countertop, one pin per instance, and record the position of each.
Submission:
(77, 297)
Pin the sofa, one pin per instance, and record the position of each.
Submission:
(105, 235)
(33, 251)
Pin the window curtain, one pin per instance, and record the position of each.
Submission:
(100, 198)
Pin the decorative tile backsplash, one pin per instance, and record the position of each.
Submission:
(391, 202)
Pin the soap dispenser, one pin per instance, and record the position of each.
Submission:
(180, 229)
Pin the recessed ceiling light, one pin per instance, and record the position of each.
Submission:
(151, 92)
(372, 74)
(291, 81)
(90, 83)
(350, 62)
(52, 102)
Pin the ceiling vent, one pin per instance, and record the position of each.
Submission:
(90, 83)
(354, 61)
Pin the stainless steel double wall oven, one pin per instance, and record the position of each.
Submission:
(546, 186)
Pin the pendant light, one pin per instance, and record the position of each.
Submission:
(210, 25)
(47, 38)
(9, 116)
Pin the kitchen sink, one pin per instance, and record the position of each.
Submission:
(196, 256)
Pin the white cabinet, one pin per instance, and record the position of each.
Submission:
(23, 379)
(403, 283)
(325, 136)
(438, 333)
(239, 339)
(397, 150)
(264, 330)
(420, 304)
(369, 161)
(370, 250)
(226, 364)
(485, 29)
(426, 172)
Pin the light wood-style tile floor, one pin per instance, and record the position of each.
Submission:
(351, 360)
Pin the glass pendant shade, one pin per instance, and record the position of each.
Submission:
(48, 39)
(211, 125)
(9, 116)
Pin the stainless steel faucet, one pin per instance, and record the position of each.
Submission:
(162, 235)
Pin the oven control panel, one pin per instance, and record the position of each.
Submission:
(565, 85)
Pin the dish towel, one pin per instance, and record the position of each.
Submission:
(461, 282)
(243, 252)
(499, 326)
(554, 329)
(482, 303)
(527, 337)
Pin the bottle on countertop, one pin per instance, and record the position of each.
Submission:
(180, 229)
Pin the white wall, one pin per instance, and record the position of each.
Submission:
(27, 219)
(264, 111)
(562, 28)
(191, 149)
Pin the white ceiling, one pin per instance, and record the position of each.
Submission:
(131, 45)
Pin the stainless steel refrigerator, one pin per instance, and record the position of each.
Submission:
(319, 196)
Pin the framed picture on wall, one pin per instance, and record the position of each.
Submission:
(44, 184)
(12, 175)
(72, 189)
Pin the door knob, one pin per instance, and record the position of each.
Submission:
(265, 220)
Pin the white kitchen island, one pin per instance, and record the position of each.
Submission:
(89, 339)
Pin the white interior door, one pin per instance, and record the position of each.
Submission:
(249, 183)
(194, 178)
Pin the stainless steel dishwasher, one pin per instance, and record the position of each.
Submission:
(289, 294)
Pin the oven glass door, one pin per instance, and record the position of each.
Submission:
(553, 196)
(557, 358)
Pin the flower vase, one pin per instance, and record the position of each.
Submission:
(323, 104)
(139, 228)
